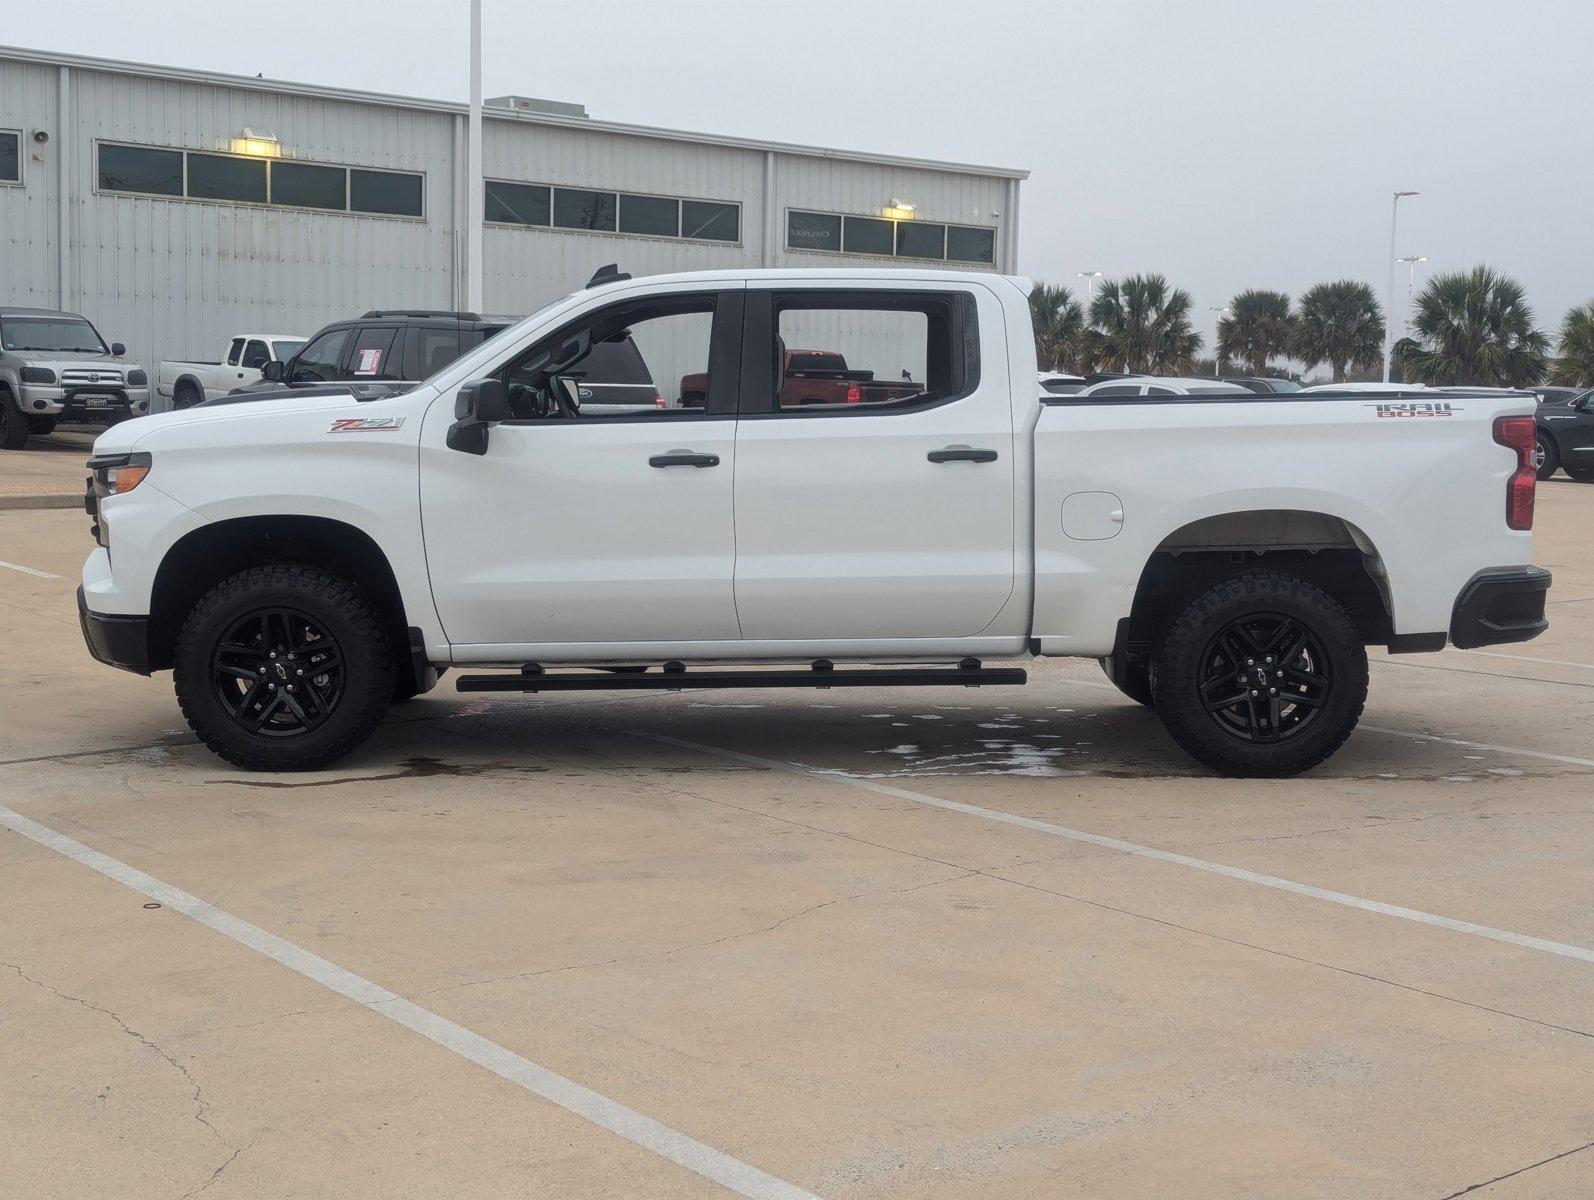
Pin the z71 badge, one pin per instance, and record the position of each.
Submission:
(365, 424)
(1420, 409)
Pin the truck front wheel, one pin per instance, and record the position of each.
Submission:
(283, 668)
(13, 425)
(1261, 674)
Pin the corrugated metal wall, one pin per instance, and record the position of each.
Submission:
(175, 278)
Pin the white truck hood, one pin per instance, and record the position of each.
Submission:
(128, 435)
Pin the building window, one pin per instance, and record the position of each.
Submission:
(866, 235)
(305, 185)
(880, 237)
(242, 179)
(140, 169)
(921, 239)
(711, 221)
(221, 177)
(387, 193)
(544, 206)
(10, 156)
(964, 244)
(518, 203)
(656, 215)
(573, 209)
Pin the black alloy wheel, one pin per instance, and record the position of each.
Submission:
(1265, 678)
(277, 673)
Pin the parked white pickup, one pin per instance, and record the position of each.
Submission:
(300, 561)
(184, 384)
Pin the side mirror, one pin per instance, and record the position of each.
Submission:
(274, 371)
(480, 403)
(118, 349)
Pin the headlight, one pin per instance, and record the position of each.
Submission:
(118, 474)
(37, 375)
(137, 379)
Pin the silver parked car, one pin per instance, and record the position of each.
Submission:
(54, 367)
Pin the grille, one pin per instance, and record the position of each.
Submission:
(80, 375)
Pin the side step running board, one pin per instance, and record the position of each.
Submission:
(675, 676)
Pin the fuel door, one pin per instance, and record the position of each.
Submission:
(1092, 516)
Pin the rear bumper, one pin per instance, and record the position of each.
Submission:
(1500, 605)
(117, 641)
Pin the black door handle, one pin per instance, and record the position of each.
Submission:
(961, 454)
(684, 458)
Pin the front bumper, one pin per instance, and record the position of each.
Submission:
(117, 641)
(1500, 605)
(87, 403)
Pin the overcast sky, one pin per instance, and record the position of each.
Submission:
(1226, 143)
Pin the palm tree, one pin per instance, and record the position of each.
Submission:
(1476, 327)
(1141, 324)
(1575, 366)
(1339, 324)
(1059, 322)
(1258, 327)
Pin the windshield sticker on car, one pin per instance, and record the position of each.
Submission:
(370, 360)
(1420, 409)
(365, 424)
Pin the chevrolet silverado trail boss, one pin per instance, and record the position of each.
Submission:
(301, 564)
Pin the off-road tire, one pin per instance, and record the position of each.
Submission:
(13, 424)
(348, 617)
(1183, 657)
(1546, 446)
(1135, 680)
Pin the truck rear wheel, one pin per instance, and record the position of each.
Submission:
(283, 668)
(1262, 674)
(186, 395)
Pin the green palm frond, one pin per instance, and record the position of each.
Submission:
(1476, 327)
(1059, 322)
(1340, 324)
(1142, 324)
(1258, 327)
(1574, 367)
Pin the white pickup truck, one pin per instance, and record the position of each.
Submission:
(301, 564)
(180, 384)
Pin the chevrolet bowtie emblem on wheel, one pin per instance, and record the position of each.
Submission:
(365, 424)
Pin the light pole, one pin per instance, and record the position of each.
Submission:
(1411, 282)
(1223, 310)
(475, 200)
(1389, 323)
(1090, 278)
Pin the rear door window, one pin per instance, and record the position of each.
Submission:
(372, 356)
(433, 348)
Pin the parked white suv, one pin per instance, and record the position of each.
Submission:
(300, 564)
(1157, 385)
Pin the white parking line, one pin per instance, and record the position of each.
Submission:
(28, 570)
(644, 1131)
(1526, 941)
(1568, 759)
(1553, 662)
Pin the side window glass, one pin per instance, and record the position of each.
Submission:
(373, 356)
(256, 355)
(648, 360)
(875, 352)
(233, 351)
(1118, 389)
(434, 349)
(319, 361)
(1160, 391)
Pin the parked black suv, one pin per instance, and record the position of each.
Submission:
(394, 348)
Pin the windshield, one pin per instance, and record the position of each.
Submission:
(1284, 385)
(285, 348)
(71, 335)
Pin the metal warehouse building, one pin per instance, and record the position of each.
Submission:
(175, 207)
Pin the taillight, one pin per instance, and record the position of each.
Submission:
(658, 399)
(854, 394)
(1520, 434)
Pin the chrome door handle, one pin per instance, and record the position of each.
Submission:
(961, 454)
(684, 458)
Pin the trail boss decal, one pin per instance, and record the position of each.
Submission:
(365, 424)
(1419, 409)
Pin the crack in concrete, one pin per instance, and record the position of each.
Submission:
(201, 1105)
(729, 937)
(1520, 1170)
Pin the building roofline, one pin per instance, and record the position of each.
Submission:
(387, 100)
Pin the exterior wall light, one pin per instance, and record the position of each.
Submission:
(899, 210)
(257, 143)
